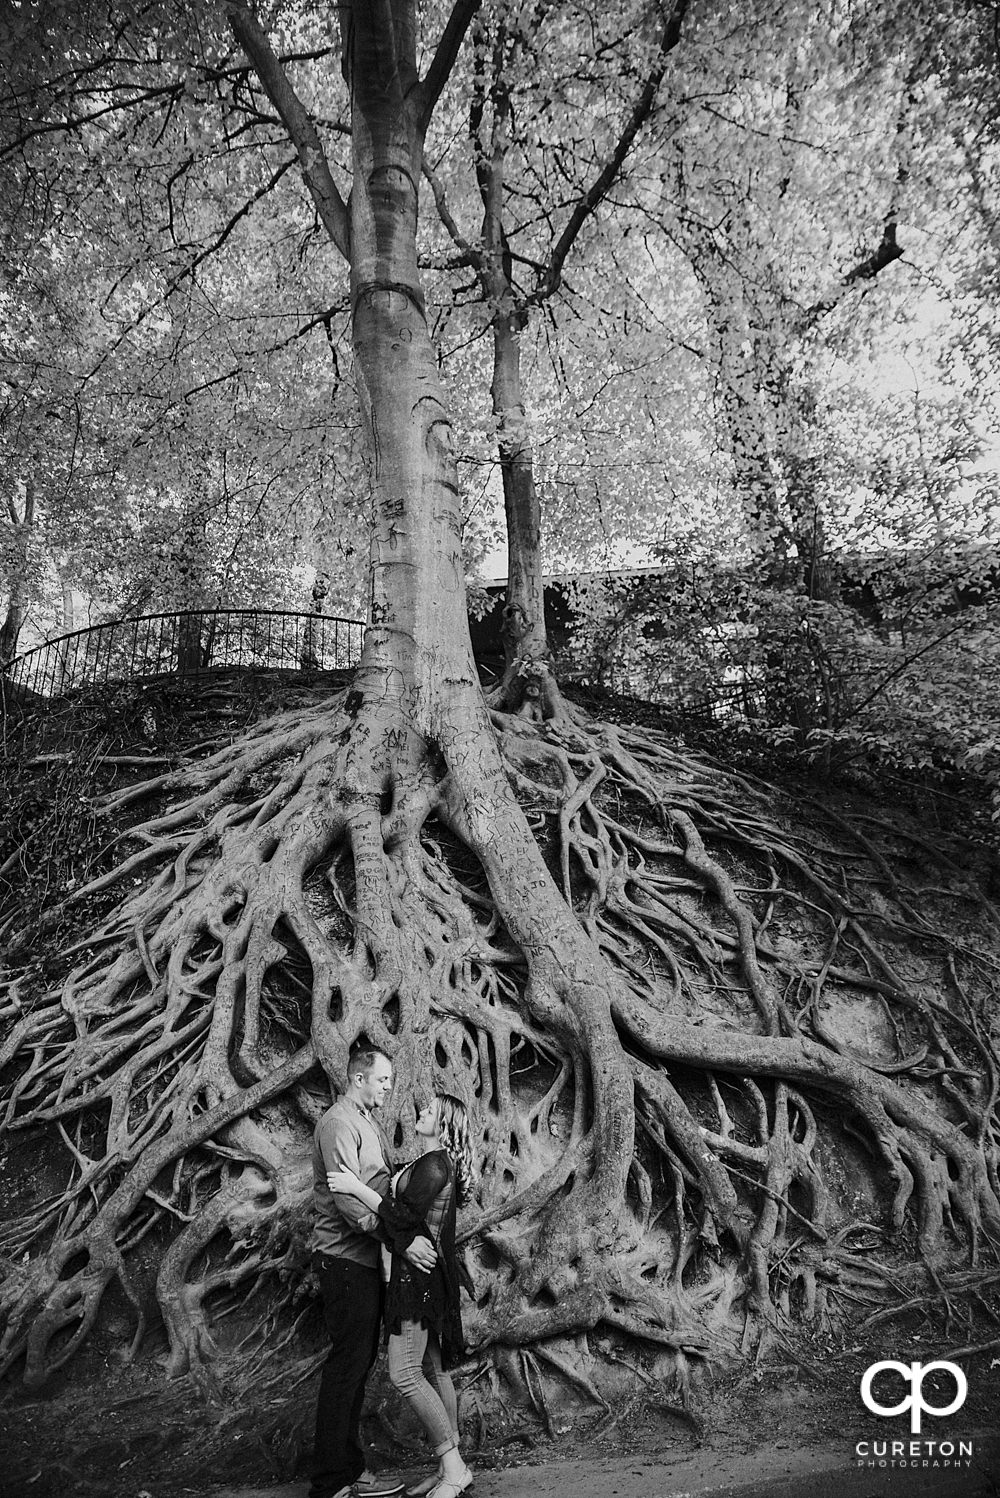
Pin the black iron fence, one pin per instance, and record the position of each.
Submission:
(186, 644)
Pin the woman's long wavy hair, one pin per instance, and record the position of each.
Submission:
(456, 1140)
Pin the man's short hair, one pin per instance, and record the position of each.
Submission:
(362, 1059)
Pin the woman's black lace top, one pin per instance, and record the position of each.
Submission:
(424, 1206)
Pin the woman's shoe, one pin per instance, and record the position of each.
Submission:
(445, 1489)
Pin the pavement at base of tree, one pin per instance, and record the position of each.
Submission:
(776, 1471)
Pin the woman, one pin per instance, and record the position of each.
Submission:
(422, 1309)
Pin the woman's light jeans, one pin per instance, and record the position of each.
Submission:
(415, 1370)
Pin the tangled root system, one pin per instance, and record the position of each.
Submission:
(730, 1061)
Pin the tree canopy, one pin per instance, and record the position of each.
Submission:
(172, 294)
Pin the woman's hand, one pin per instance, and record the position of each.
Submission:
(344, 1181)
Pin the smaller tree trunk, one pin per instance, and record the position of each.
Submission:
(14, 617)
(529, 684)
(190, 652)
(68, 625)
(9, 631)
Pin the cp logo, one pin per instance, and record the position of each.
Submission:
(913, 1374)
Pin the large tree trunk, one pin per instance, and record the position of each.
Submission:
(421, 727)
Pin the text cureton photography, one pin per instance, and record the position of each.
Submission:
(930, 1452)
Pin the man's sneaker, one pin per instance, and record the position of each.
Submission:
(369, 1486)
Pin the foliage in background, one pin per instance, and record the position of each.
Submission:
(898, 670)
(177, 379)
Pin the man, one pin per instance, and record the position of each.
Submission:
(346, 1241)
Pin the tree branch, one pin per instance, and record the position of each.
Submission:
(321, 319)
(602, 184)
(74, 124)
(189, 269)
(470, 255)
(866, 270)
(438, 73)
(294, 116)
(228, 228)
(901, 670)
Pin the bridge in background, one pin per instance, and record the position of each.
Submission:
(185, 644)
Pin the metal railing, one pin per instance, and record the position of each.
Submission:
(186, 644)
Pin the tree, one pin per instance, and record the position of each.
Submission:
(16, 568)
(792, 205)
(494, 130)
(581, 971)
(751, 203)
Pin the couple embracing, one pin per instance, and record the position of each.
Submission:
(373, 1226)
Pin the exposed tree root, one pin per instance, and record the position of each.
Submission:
(662, 1005)
(529, 688)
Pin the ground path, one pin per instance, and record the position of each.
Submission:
(774, 1471)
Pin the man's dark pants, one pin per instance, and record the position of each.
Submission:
(352, 1304)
